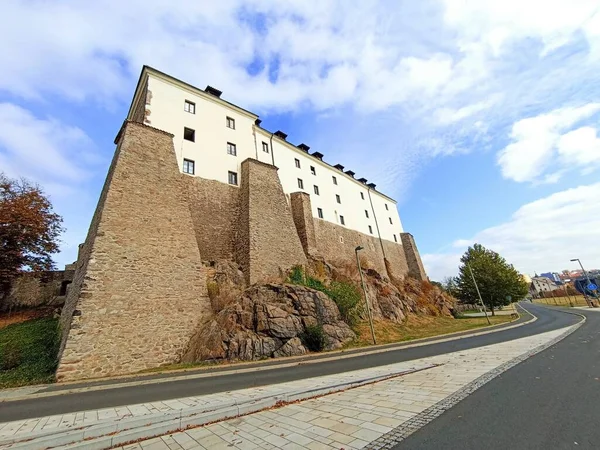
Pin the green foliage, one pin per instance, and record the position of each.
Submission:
(314, 338)
(213, 290)
(496, 279)
(28, 352)
(296, 275)
(347, 298)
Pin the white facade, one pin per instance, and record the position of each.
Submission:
(212, 159)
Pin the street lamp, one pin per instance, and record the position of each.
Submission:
(479, 294)
(362, 282)
(587, 279)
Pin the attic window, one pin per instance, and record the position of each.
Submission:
(349, 172)
(280, 134)
(362, 180)
(304, 147)
(212, 91)
(318, 155)
(339, 167)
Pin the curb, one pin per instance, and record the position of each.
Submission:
(110, 433)
(236, 369)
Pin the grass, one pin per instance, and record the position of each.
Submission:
(417, 327)
(576, 300)
(28, 352)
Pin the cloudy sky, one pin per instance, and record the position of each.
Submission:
(481, 117)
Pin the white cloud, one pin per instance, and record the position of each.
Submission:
(43, 149)
(543, 143)
(540, 236)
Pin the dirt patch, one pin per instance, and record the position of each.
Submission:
(7, 319)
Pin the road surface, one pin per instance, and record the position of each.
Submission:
(550, 401)
(36, 407)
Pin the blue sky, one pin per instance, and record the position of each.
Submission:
(480, 117)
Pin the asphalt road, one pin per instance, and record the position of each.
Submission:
(549, 401)
(117, 396)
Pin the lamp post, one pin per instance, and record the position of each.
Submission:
(362, 282)
(590, 304)
(479, 294)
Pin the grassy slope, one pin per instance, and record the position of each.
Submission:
(416, 327)
(34, 344)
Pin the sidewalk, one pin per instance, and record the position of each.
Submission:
(350, 418)
(375, 416)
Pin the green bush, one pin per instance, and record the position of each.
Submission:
(314, 338)
(348, 300)
(296, 275)
(315, 284)
(11, 356)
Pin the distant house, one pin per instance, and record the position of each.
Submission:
(552, 276)
(541, 284)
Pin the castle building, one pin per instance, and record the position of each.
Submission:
(212, 137)
(195, 179)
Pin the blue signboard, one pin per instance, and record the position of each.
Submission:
(591, 287)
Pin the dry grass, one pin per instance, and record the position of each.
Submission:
(22, 316)
(417, 327)
(576, 300)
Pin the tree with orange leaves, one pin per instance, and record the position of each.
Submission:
(29, 230)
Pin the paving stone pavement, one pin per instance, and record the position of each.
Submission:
(374, 416)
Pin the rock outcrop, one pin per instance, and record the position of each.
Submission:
(268, 321)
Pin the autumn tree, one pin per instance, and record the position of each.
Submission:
(29, 230)
(498, 281)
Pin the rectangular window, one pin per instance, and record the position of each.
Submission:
(189, 134)
(232, 178)
(320, 213)
(231, 149)
(300, 183)
(390, 221)
(297, 161)
(265, 147)
(230, 123)
(342, 221)
(367, 213)
(188, 166)
(334, 179)
(370, 229)
(316, 189)
(189, 107)
(395, 238)
(337, 198)
(313, 170)
(362, 195)
(386, 208)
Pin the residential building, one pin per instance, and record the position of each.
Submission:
(542, 284)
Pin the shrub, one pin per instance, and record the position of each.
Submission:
(313, 283)
(347, 298)
(296, 275)
(11, 356)
(314, 338)
(213, 290)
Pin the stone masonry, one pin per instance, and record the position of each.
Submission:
(413, 259)
(139, 291)
(268, 243)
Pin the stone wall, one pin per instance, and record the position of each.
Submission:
(268, 243)
(214, 207)
(413, 259)
(34, 289)
(303, 219)
(139, 290)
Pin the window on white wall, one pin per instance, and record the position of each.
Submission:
(342, 221)
(232, 178)
(386, 208)
(334, 179)
(265, 147)
(313, 170)
(297, 161)
(231, 149)
(367, 213)
(316, 188)
(370, 229)
(230, 123)
(189, 107)
(337, 198)
(320, 213)
(395, 238)
(300, 183)
(362, 195)
(391, 223)
(189, 134)
(188, 166)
